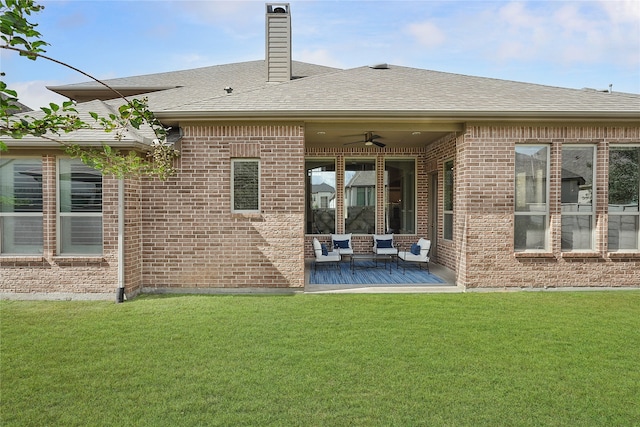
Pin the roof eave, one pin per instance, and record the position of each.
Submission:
(48, 143)
(442, 115)
(86, 93)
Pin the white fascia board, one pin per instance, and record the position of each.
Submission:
(410, 115)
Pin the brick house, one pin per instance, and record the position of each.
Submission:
(515, 184)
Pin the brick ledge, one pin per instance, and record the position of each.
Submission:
(80, 261)
(624, 255)
(570, 256)
(527, 255)
(23, 261)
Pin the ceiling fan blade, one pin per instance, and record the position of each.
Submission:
(379, 144)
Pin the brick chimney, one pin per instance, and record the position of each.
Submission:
(278, 46)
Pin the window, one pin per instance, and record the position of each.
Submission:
(245, 185)
(21, 206)
(400, 196)
(624, 194)
(577, 197)
(531, 198)
(320, 196)
(80, 209)
(360, 196)
(448, 200)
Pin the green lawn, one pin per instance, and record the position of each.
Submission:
(508, 359)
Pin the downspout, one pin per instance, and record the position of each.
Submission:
(120, 294)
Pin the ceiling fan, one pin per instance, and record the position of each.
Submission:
(369, 139)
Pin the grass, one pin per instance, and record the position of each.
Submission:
(555, 358)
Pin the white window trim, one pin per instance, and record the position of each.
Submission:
(335, 172)
(623, 213)
(24, 214)
(415, 187)
(348, 159)
(60, 215)
(594, 198)
(546, 212)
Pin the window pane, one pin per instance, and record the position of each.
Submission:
(577, 197)
(531, 178)
(531, 186)
(448, 226)
(80, 214)
(321, 197)
(21, 235)
(21, 206)
(360, 196)
(80, 187)
(20, 185)
(624, 193)
(81, 235)
(530, 232)
(246, 187)
(623, 232)
(624, 179)
(577, 179)
(448, 200)
(448, 186)
(577, 232)
(400, 196)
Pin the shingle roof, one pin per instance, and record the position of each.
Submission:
(315, 91)
(396, 90)
(20, 107)
(95, 136)
(172, 89)
(410, 90)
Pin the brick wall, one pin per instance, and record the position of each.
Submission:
(51, 273)
(191, 239)
(133, 236)
(446, 251)
(181, 233)
(485, 204)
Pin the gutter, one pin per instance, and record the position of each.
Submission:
(409, 115)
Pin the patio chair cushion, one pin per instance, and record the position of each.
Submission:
(324, 249)
(415, 249)
(341, 244)
(422, 256)
(383, 244)
(320, 256)
(344, 241)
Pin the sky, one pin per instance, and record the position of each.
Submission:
(572, 44)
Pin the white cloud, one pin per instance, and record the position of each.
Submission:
(622, 11)
(34, 94)
(427, 34)
(319, 56)
(563, 33)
